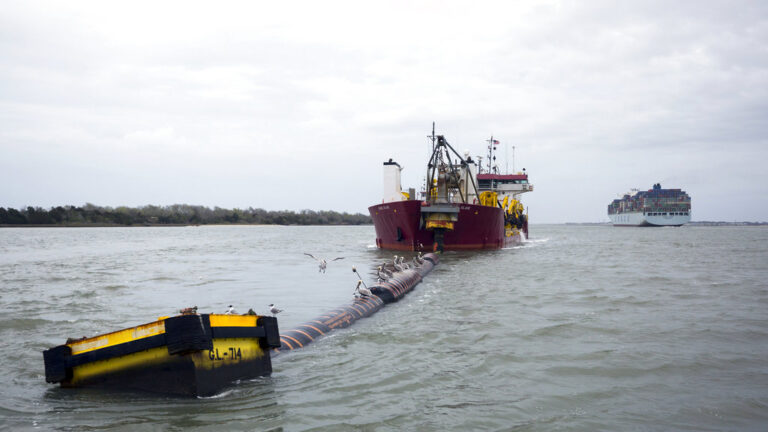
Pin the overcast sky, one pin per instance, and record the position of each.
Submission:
(295, 105)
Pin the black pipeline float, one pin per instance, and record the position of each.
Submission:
(391, 290)
(190, 354)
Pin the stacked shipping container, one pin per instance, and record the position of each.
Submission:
(654, 200)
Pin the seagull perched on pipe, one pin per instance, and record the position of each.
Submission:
(230, 311)
(322, 263)
(274, 309)
(364, 291)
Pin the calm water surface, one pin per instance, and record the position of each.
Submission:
(581, 328)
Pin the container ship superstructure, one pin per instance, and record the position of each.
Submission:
(461, 206)
(654, 207)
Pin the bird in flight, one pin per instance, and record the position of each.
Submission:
(322, 263)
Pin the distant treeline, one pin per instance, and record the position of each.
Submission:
(177, 214)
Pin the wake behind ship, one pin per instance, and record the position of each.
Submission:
(654, 207)
(460, 207)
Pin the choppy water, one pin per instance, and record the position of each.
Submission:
(582, 328)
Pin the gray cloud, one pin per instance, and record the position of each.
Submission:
(295, 106)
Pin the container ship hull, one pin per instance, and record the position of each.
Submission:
(400, 226)
(638, 219)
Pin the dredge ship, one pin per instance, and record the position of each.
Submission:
(654, 207)
(461, 206)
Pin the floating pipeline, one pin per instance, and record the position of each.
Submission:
(400, 284)
(201, 354)
(191, 354)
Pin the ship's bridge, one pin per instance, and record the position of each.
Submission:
(512, 184)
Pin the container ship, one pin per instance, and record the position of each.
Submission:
(654, 207)
(461, 206)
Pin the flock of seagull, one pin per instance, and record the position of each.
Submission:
(384, 272)
(231, 310)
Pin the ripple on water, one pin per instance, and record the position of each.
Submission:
(571, 331)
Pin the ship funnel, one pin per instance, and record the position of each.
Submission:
(392, 191)
(468, 179)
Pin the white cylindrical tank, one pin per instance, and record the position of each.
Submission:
(468, 178)
(392, 190)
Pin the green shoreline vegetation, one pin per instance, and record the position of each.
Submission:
(177, 214)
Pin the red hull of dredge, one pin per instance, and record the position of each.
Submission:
(399, 226)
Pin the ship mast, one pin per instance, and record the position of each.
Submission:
(492, 169)
(427, 181)
(432, 137)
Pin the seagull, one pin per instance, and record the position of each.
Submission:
(230, 311)
(322, 262)
(364, 291)
(274, 309)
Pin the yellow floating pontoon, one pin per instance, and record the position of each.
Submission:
(190, 354)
